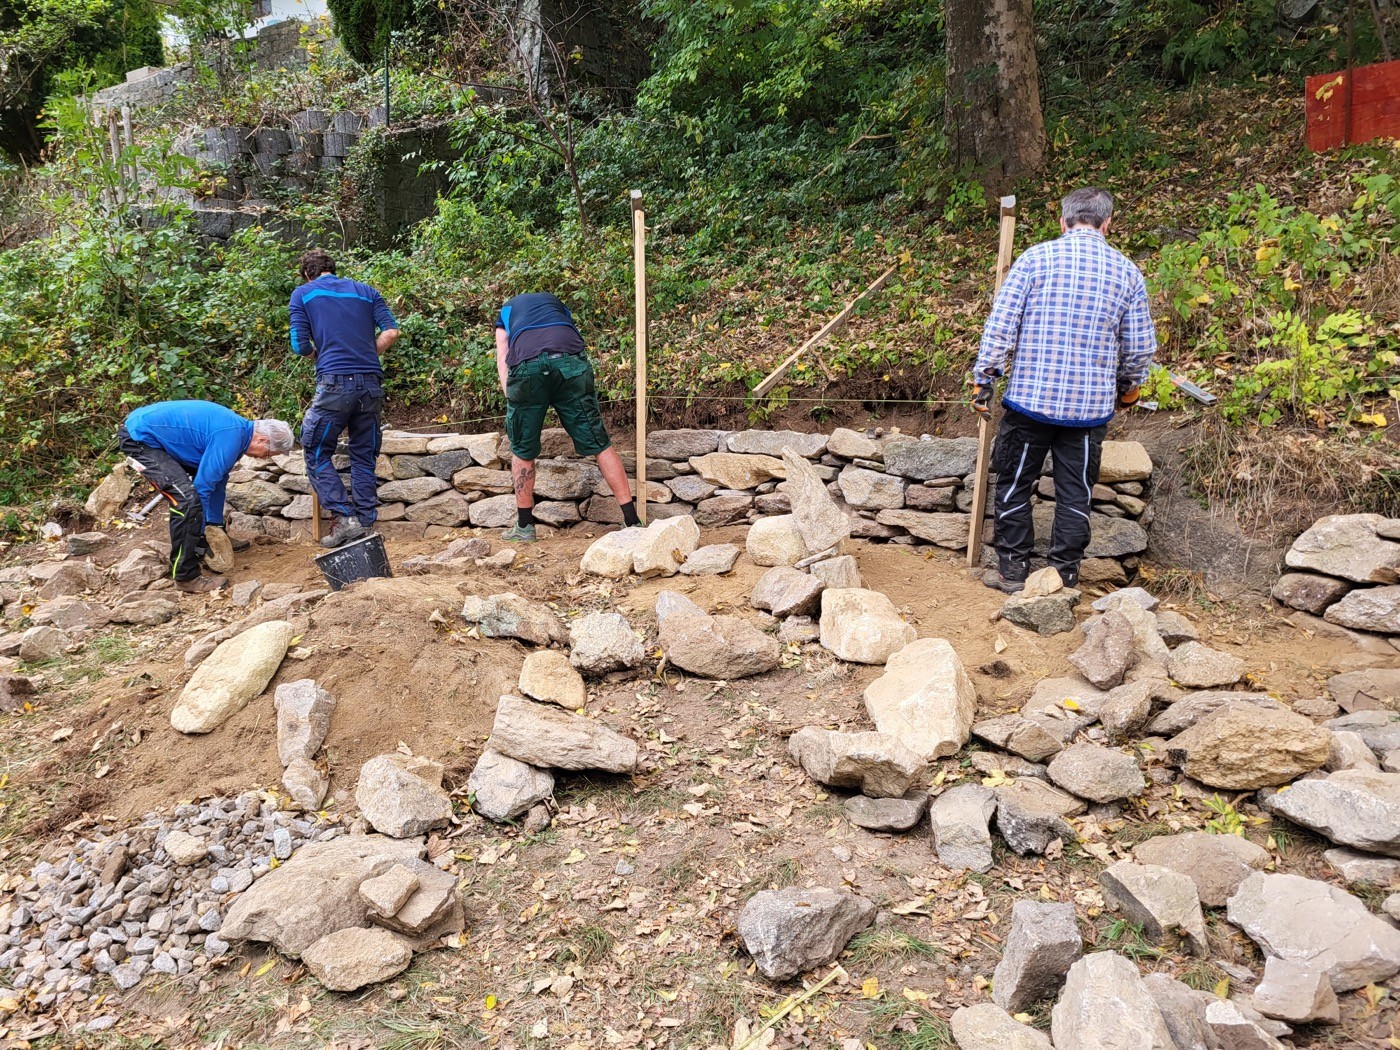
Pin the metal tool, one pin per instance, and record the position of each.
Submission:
(142, 514)
(1190, 389)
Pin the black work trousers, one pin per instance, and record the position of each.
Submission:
(1018, 459)
(173, 480)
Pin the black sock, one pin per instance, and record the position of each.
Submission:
(524, 516)
(629, 513)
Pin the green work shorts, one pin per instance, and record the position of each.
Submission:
(563, 382)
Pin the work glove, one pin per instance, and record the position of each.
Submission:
(218, 556)
(1128, 398)
(982, 400)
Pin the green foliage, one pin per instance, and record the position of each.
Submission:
(364, 26)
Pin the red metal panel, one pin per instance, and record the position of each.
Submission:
(1370, 110)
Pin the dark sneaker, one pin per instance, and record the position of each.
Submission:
(997, 582)
(201, 585)
(345, 530)
(519, 534)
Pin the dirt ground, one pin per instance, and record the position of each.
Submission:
(615, 927)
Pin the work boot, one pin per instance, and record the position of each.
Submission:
(997, 582)
(343, 531)
(201, 585)
(239, 544)
(519, 534)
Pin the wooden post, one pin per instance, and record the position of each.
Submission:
(315, 516)
(984, 424)
(639, 265)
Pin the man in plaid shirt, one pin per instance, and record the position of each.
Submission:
(1073, 318)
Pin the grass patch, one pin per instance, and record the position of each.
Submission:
(883, 944)
(588, 944)
(1128, 938)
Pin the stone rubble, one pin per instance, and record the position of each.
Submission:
(1040, 948)
(791, 931)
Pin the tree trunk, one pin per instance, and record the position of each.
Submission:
(993, 103)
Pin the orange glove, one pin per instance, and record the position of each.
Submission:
(982, 399)
(1128, 398)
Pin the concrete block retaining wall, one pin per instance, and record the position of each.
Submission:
(896, 488)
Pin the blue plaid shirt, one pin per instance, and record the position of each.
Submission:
(1073, 313)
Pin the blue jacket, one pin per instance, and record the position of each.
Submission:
(338, 319)
(206, 439)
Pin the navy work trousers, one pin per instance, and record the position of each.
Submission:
(1019, 457)
(350, 405)
(175, 481)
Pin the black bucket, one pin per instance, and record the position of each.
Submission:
(360, 560)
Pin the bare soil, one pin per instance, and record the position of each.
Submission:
(616, 926)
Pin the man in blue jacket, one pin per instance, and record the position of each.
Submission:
(1073, 320)
(186, 450)
(344, 327)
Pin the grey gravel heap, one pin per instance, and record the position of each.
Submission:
(118, 906)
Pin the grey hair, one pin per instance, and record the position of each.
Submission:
(1089, 205)
(277, 433)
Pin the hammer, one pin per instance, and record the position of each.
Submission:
(144, 512)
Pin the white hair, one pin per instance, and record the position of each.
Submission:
(1089, 205)
(277, 434)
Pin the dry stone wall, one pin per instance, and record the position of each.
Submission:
(1346, 569)
(894, 487)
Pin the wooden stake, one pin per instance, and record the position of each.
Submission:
(828, 329)
(639, 265)
(984, 424)
(315, 516)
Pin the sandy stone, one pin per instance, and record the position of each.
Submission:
(886, 814)
(717, 647)
(925, 698)
(1353, 807)
(397, 801)
(775, 541)
(842, 572)
(943, 530)
(784, 591)
(185, 848)
(547, 675)
(1184, 1011)
(1097, 773)
(503, 788)
(682, 444)
(1159, 899)
(1030, 814)
(791, 931)
(664, 546)
(1041, 947)
(1230, 1024)
(1347, 545)
(306, 784)
(712, 560)
(554, 739)
(1104, 658)
(508, 615)
(238, 670)
(1350, 751)
(107, 499)
(877, 765)
(871, 489)
(690, 488)
(1193, 707)
(1019, 735)
(959, 818)
(1368, 609)
(493, 512)
(1242, 747)
(1200, 667)
(1357, 868)
(1309, 592)
(1216, 864)
(1127, 709)
(386, 894)
(1316, 925)
(935, 458)
(1371, 689)
(1296, 994)
(349, 959)
(822, 524)
(862, 626)
(602, 642)
(732, 470)
(777, 442)
(613, 554)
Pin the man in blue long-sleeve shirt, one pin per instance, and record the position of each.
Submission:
(344, 327)
(1074, 320)
(186, 450)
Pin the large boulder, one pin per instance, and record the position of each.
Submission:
(1105, 1006)
(1108, 653)
(877, 765)
(602, 642)
(960, 819)
(402, 797)
(925, 699)
(349, 959)
(1216, 864)
(261, 497)
(1347, 545)
(1309, 592)
(821, 523)
(719, 647)
(1193, 707)
(509, 615)
(1042, 945)
(503, 788)
(552, 738)
(791, 931)
(449, 509)
(613, 554)
(1316, 925)
(942, 529)
(862, 626)
(1354, 807)
(1368, 609)
(314, 893)
(238, 670)
(303, 719)
(110, 495)
(1242, 747)
(775, 541)
(493, 512)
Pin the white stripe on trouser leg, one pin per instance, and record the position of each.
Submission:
(1088, 492)
(1025, 447)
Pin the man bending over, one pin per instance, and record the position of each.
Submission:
(541, 363)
